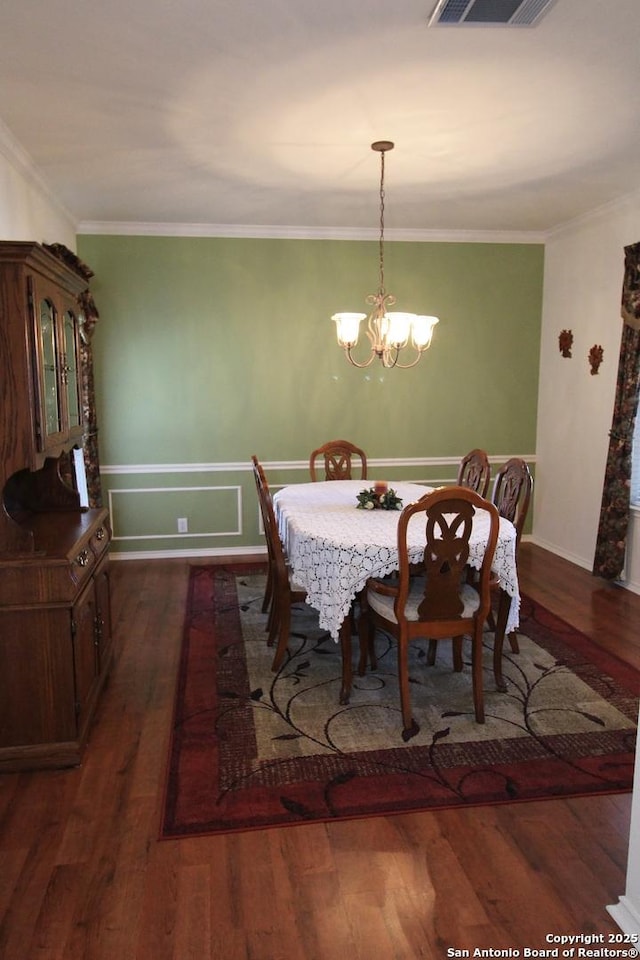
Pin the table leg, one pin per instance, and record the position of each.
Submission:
(504, 605)
(347, 668)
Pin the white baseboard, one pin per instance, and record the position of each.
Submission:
(627, 915)
(559, 552)
(624, 582)
(259, 553)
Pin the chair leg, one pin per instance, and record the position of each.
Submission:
(457, 654)
(273, 621)
(366, 635)
(353, 620)
(513, 642)
(271, 608)
(373, 658)
(283, 620)
(476, 672)
(268, 591)
(498, 639)
(431, 653)
(409, 725)
(271, 627)
(347, 667)
(367, 650)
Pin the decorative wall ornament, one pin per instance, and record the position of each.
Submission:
(565, 342)
(595, 358)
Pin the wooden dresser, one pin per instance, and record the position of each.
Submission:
(55, 624)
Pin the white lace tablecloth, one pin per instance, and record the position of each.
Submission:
(333, 547)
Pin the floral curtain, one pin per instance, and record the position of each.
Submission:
(614, 512)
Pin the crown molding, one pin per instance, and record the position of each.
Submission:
(275, 232)
(598, 213)
(15, 154)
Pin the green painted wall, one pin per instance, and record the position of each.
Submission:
(209, 350)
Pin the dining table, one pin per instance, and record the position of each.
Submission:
(334, 547)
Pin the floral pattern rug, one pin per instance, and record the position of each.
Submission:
(252, 749)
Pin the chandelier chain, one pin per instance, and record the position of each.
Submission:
(381, 241)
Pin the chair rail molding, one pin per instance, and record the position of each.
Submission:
(245, 465)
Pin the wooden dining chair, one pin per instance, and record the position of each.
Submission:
(511, 495)
(440, 603)
(474, 472)
(338, 457)
(260, 480)
(512, 490)
(284, 592)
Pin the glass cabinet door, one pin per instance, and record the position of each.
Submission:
(70, 371)
(57, 365)
(52, 410)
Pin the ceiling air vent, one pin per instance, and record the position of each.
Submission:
(474, 13)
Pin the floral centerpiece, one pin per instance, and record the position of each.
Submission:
(379, 498)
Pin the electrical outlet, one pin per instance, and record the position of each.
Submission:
(183, 525)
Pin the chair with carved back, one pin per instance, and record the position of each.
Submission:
(511, 495)
(474, 472)
(338, 457)
(441, 603)
(284, 592)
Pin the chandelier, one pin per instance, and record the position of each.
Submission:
(388, 333)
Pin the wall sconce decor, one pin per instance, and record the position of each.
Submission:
(595, 358)
(565, 342)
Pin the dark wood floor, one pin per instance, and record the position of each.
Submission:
(82, 874)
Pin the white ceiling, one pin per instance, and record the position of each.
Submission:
(261, 112)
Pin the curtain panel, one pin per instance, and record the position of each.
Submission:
(613, 526)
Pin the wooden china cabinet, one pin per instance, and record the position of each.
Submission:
(55, 628)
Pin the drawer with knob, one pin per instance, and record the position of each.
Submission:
(100, 540)
(68, 548)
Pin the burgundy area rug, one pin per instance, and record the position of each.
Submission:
(253, 749)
